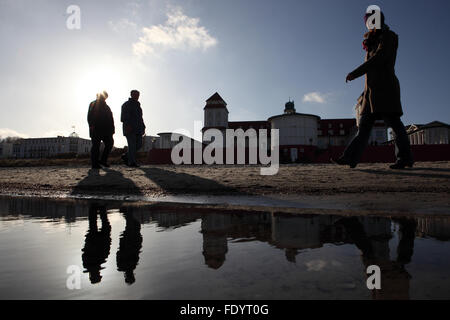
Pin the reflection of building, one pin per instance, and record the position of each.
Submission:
(438, 228)
(51, 147)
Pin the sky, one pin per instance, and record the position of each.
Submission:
(256, 53)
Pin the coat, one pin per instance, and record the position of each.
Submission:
(382, 88)
(100, 119)
(131, 116)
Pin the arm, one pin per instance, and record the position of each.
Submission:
(89, 115)
(111, 120)
(384, 51)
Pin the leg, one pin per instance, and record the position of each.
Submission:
(131, 149)
(355, 149)
(95, 151)
(402, 146)
(109, 142)
(138, 142)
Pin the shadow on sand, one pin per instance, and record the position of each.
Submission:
(174, 182)
(112, 182)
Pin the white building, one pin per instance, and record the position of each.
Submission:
(435, 132)
(51, 147)
(296, 128)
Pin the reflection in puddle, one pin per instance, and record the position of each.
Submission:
(157, 252)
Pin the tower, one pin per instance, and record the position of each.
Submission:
(216, 113)
(289, 107)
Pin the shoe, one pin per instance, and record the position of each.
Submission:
(342, 162)
(134, 165)
(104, 164)
(401, 165)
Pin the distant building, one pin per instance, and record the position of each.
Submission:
(50, 147)
(435, 132)
(149, 143)
(6, 149)
(298, 132)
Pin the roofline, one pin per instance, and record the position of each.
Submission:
(294, 114)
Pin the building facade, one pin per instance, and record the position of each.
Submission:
(6, 150)
(435, 132)
(36, 148)
(299, 133)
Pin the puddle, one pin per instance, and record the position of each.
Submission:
(118, 250)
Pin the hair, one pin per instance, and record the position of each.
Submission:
(103, 95)
(133, 92)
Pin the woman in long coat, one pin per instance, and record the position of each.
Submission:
(381, 97)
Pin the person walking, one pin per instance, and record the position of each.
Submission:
(133, 127)
(101, 128)
(381, 97)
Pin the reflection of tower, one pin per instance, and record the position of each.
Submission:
(97, 243)
(130, 245)
(216, 113)
(214, 230)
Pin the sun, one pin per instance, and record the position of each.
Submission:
(96, 80)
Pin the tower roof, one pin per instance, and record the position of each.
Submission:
(215, 101)
(216, 97)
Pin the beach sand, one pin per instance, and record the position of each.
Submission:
(423, 189)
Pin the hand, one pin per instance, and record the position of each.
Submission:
(349, 78)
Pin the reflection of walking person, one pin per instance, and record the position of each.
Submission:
(101, 128)
(133, 127)
(97, 243)
(130, 245)
(395, 279)
(381, 97)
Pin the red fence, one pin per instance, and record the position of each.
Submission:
(308, 154)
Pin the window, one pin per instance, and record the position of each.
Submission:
(341, 125)
(329, 126)
(342, 132)
(330, 132)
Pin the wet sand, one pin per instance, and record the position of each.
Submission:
(424, 189)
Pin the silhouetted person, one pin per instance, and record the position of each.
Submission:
(101, 128)
(130, 245)
(97, 243)
(381, 97)
(133, 127)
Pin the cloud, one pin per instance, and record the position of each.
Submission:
(179, 32)
(315, 265)
(5, 133)
(315, 97)
(123, 25)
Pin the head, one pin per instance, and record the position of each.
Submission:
(370, 17)
(102, 95)
(135, 95)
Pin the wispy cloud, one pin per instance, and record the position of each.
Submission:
(5, 133)
(179, 32)
(123, 24)
(315, 97)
